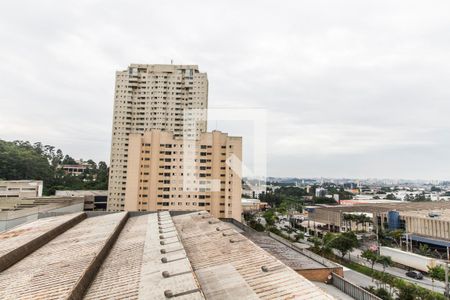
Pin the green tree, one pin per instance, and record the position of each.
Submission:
(326, 245)
(344, 243)
(299, 236)
(362, 219)
(317, 244)
(102, 176)
(395, 235)
(23, 160)
(270, 217)
(391, 196)
(348, 219)
(371, 257)
(436, 272)
(424, 250)
(384, 261)
(407, 291)
(380, 292)
(67, 160)
(324, 200)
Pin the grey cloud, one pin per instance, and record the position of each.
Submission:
(343, 81)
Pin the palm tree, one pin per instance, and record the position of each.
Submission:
(385, 261)
(363, 219)
(347, 219)
(424, 250)
(366, 220)
(371, 257)
(436, 272)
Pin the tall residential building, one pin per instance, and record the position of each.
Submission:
(165, 173)
(152, 97)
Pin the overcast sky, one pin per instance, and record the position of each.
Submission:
(352, 88)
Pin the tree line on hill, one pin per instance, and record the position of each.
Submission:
(22, 160)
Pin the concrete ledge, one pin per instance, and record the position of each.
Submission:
(320, 275)
(91, 214)
(20, 252)
(89, 274)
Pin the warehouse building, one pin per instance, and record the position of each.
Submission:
(142, 256)
(431, 226)
(333, 217)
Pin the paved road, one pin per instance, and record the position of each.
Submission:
(358, 278)
(426, 282)
(361, 279)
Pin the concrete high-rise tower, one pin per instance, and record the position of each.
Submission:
(152, 97)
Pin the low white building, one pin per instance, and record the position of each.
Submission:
(21, 188)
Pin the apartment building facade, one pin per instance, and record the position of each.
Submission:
(162, 97)
(166, 173)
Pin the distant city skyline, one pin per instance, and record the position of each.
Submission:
(353, 89)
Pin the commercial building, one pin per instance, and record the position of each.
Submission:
(166, 173)
(163, 97)
(428, 225)
(142, 256)
(20, 188)
(93, 199)
(332, 217)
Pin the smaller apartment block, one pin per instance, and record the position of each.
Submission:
(164, 173)
(20, 188)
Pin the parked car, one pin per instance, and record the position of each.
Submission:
(414, 274)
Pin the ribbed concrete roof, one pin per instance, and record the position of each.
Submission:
(152, 256)
(134, 268)
(54, 270)
(21, 235)
(119, 275)
(229, 266)
(287, 255)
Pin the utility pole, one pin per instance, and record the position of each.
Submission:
(314, 225)
(446, 280)
(407, 243)
(411, 246)
(377, 233)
